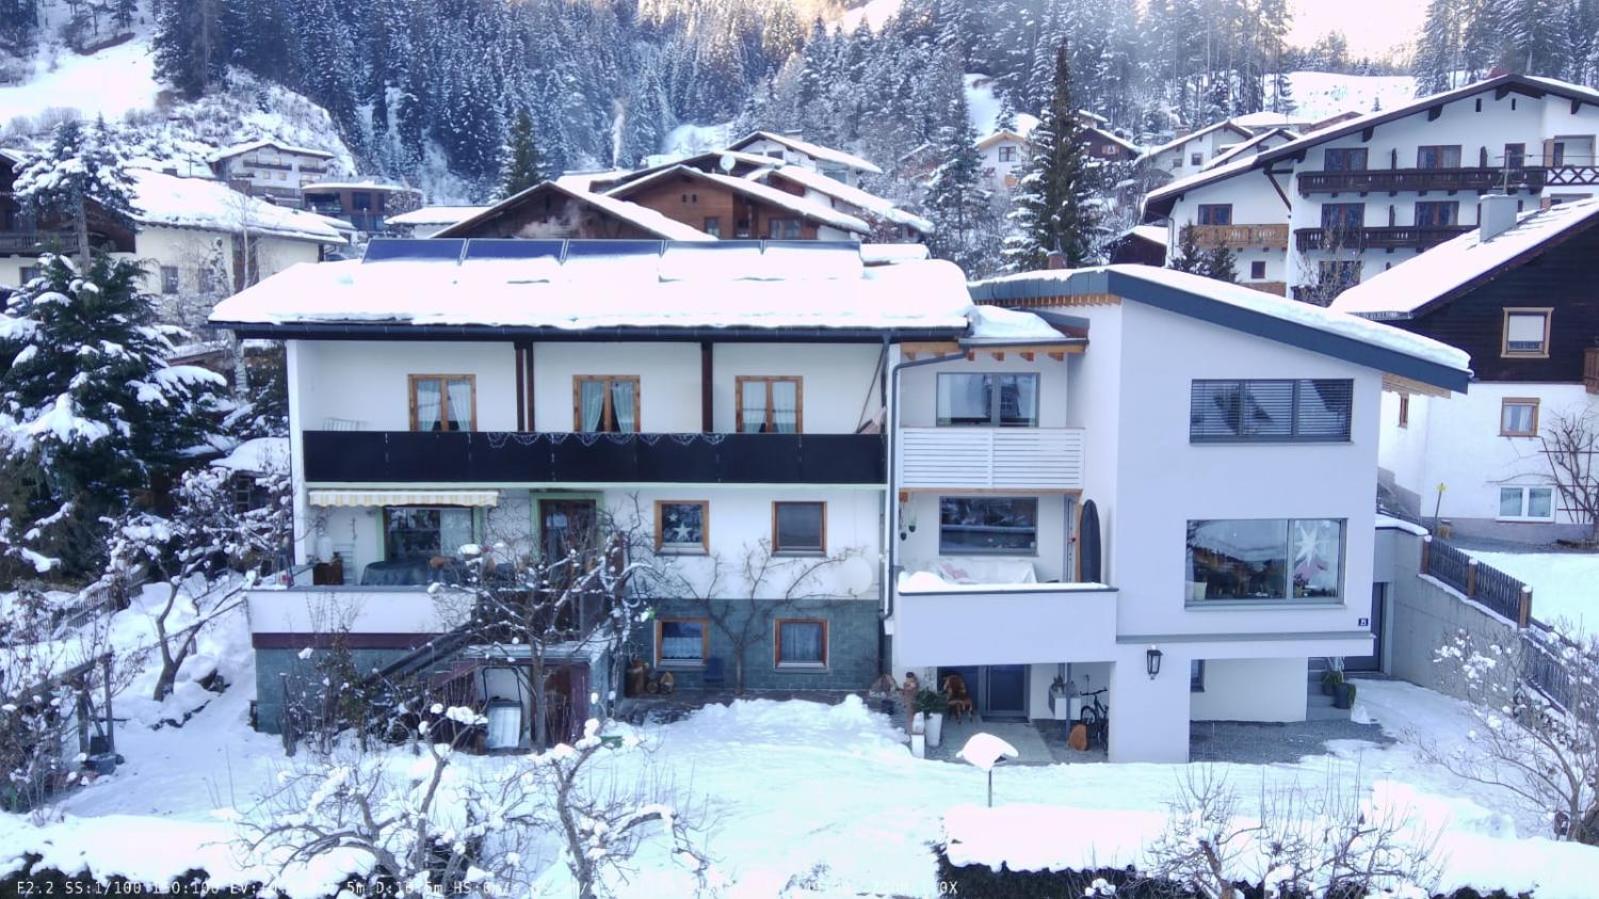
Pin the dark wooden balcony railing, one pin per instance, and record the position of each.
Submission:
(407, 457)
(1241, 237)
(1477, 179)
(32, 243)
(1418, 237)
(1572, 176)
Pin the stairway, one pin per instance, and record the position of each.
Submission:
(1318, 705)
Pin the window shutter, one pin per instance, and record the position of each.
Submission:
(1323, 411)
(1270, 410)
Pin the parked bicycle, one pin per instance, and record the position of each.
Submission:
(1096, 717)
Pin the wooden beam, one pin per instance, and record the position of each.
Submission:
(707, 390)
(999, 355)
(1027, 355)
(1366, 133)
(1398, 384)
(912, 348)
(521, 386)
(1434, 112)
(1501, 92)
(1057, 355)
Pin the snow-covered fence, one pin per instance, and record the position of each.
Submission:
(103, 597)
(1484, 584)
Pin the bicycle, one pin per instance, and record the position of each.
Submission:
(1096, 717)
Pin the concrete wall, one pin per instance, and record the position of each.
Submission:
(1251, 690)
(283, 670)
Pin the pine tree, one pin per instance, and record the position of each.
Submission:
(1438, 48)
(1221, 264)
(188, 44)
(1053, 208)
(519, 165)
(1189, 257)
(123, 12)
(954, 201)
(90, 411)
(80, 168)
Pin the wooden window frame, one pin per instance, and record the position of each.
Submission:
(799, 400)
(777, 645)
(1404, 411)
(1548, 314)
(444, 396)
(1460, 156)
(607, 413)
(713, 225)
(681, 664)
(684, 549)
(1518, 401)
(777, 548)
(1208, 210)
(780, 223)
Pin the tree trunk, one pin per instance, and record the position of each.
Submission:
(541, 724)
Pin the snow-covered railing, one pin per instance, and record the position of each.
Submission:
(1483, 584)
(1005, 458)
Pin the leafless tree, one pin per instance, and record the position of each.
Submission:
(1536, 706)
(1570, 441)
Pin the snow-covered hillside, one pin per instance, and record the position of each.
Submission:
(1320, 95)
(109, 83)
(875, 12)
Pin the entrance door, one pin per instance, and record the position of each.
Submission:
(1372, 662)
(1005, 691)
(565, 525)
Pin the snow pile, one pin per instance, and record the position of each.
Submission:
(995, 323)
(258, 455)
(1563, 583)
(852, 196)
(435, 215)
(982, 109)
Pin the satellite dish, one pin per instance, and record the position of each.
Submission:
(857, 574)
(727, 162)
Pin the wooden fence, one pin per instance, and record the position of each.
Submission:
(1483, 584)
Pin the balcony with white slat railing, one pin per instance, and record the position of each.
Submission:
(1023, 459)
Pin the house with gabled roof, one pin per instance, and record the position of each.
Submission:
(1188, 153)
(1518, 295)
(561, 209)
(271, 168)
(836, 164)
(729, 206)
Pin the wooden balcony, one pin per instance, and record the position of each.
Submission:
(1590, 369)
(464, 457)
(1276, 288)
(1398, 237)
(32, 243)
(1572, 176)
(991, 458)
(1481, 180)
(1241, 237)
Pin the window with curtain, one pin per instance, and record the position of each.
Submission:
(783, 229)
(443, 402)
(1527, 504)
(799, 528)
(1438, 157)
(1318, 410)
(411, 532)
(1265, 559)
(987, 400)
(770, 405)
(1345, 160)
(1341, 217)
(606, 403)
(987, 525)
(1518, 417)
(1437, 214)
(680, 526)
(680, 641)
(1526, 332)
(801, 643)
(1215, 213)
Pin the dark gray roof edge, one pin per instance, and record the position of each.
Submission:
(1129, 286)
(402, 331)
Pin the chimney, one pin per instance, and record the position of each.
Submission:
(1057, 257)
(1496, 214)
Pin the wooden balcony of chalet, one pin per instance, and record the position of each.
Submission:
(1416, 237)
(1241, 237)
(33, 243)
(1572, 176)
(1276, 288)
(1478, 179)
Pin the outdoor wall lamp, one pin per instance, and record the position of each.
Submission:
(1152, 661)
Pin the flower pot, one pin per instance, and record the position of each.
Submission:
(935, 729)
(1344, 698)
(919, 746)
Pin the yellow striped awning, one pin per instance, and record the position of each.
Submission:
(400, 497)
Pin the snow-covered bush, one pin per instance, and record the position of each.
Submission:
(1536, 705)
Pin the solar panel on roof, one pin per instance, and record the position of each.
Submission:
(385, 249)
(591, 248)
(512, 248)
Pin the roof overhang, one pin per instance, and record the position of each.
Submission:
(488, 333)
(1100, 282)
(348, 497)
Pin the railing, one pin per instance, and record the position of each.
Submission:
(32, 243)
(1488, 586)
(1420, 237)
(407, 457)
(981, 458)
(1478, 179)
(1542, 668)
(1572, 175)
(1279, 288)
(1241, 237)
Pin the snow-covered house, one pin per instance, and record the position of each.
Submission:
(1005, 153)
(271, 169)
(836, 164)
(560, 209)
(890, 222)
(729, 206)
(1184, 155)
(1518, 295)
(367, 204)
(1335, 206)
(1261, 142)
(1183, 529)
(430, 220)
(445, 392)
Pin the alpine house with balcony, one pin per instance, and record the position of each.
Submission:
(726, 398)
(1322, 213)
(1173, 501)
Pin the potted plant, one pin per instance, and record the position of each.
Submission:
(1330, 680)
(932, 705)
(1344, 698)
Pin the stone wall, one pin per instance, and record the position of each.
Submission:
(276, 667)
(852, 637)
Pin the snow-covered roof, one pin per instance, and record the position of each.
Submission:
(259, 455)
(1311, 327)
(1192, 135)
(435, 215)
(1175, 188)
(239, 149)
(1455, 265)
(1151, 233)
(726, 161)
(600, 286)
(782, 199)
(1014, 135)
(1237, 150)
(1267, 119)
(838, 190)
(996, 324)
(176, 202)
(815, 151)
(364, 184)
(641, 217)
(1113, 137)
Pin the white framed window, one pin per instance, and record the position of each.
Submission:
(1526, 504)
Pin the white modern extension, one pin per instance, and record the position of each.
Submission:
(1328, 210)
(1173, 499)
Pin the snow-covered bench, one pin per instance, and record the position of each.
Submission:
(985, 571)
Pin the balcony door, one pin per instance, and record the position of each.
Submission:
(999, 691)
(566, 525)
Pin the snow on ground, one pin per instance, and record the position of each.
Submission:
(875, 12)
(687, 140)
(828, 796)
(1320, 95)
(982, 108)
(1565, 585)
(109, 83)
